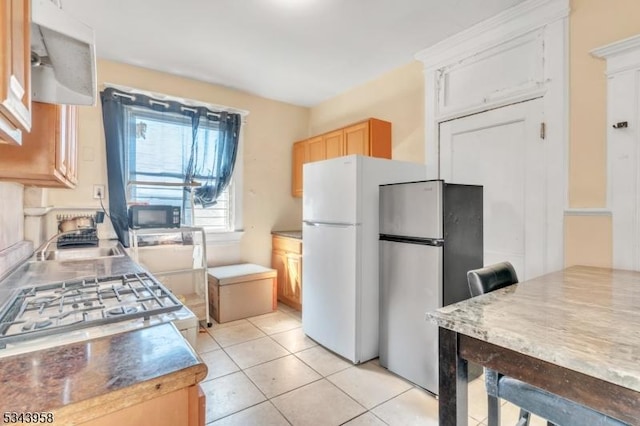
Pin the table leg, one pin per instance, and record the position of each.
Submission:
(452, 400)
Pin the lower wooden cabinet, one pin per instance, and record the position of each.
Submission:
(48, 155)
(371, 137)
(185, 407)
(286, 258)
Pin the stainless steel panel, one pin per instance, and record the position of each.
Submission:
(410, 286)
(412, 209)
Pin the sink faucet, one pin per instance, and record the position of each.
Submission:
(40, 252)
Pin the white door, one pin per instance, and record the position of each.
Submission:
(502, 150)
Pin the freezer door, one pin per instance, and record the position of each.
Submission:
(410, 286)
(412, 209)
(329, 278)
(330, 191)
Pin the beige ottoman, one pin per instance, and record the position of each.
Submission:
(241, 291)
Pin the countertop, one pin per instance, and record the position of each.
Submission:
(77, 381)
(288, 234)
(582, 318)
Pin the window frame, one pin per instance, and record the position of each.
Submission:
(234, 215)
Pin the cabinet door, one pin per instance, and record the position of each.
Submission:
(333, 143)
(15, 69)
(292, 288)
(279, 263)
(316, 150)
(356, 139)
(48, 153)
(299, 158)
(379, 138)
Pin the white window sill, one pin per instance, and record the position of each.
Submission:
(223, 237)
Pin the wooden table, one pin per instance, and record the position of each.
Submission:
(574, 332)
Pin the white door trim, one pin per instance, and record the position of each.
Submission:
(623, 154)
(548, 20)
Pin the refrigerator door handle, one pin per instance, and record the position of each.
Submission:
(330, 224)
(435, 242)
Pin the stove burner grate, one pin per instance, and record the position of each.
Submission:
(65, 306)
(121, 310)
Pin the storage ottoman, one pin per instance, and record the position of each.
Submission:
(241, 291)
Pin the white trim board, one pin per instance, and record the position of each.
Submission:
(508, 25)
(623, 153)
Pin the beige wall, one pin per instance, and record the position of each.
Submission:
(270, 129)
(593, 23)
(397, 96)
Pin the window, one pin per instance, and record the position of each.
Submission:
(159, 147)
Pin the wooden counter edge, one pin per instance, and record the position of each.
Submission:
(90, 409)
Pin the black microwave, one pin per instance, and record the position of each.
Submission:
(154, 217)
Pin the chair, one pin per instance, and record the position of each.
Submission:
(556, 409)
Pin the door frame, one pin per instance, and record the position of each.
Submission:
(542, 27)
(623, 155)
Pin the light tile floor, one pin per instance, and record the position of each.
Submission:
(264, 371)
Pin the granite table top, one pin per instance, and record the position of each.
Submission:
(82, 380)
(585, 319)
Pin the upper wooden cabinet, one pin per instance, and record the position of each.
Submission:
(48, 155)
(371, 138)
(316, 149)
(15, 70)
(298, 158)
(333, 142)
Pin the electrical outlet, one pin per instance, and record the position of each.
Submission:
(98, 192)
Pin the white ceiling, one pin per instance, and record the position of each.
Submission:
(297, 51)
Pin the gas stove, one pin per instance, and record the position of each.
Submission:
(66, 306)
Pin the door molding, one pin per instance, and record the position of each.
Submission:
(518, 55)
(623, 154)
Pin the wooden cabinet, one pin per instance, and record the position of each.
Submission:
(286, 258)
(316, 150)
(185, 406)
(15, 70)
(48, 155)
(371, 138)
(333, 142)
(298, 158)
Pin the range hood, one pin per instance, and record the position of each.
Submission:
(63, 60)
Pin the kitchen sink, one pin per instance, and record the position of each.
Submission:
(82, 253)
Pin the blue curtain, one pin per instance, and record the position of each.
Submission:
(209, 163)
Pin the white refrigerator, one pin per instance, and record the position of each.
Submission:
(340, 295)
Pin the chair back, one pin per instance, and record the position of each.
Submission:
(490, 278)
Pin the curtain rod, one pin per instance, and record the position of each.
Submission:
(187, 102)
(155, 183)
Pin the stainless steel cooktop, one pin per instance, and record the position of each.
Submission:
(70, 305)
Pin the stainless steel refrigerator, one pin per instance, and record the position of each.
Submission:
(430, 236)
